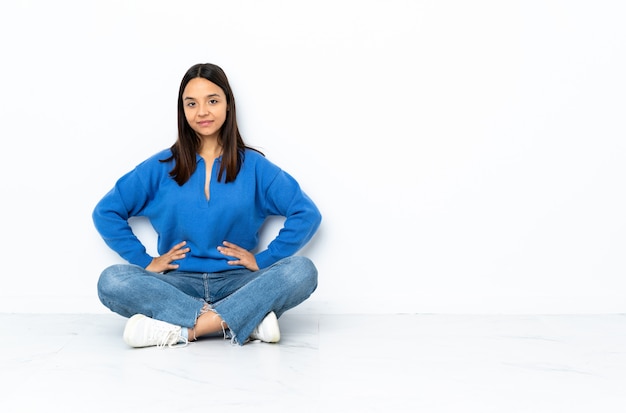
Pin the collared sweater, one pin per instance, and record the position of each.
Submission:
(234, 212)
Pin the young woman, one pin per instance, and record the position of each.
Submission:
(207, 197)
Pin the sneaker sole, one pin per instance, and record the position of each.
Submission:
(271, 334)
(130, 325)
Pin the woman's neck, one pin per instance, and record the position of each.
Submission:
(210, 149)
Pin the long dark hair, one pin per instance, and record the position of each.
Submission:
(186, 147)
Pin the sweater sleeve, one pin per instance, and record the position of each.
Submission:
(284, 197)
(111, 214)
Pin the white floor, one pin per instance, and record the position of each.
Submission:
(324, 363)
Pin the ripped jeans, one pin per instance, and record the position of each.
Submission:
(240, 296)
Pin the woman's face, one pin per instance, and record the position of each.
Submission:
(205, 107)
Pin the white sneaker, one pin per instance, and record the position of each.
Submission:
(143, 331)
(268, 330)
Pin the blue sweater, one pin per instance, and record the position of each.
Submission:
(235, 212)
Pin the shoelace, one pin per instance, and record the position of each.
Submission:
(166, 339)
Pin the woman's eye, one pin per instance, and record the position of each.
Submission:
(212, 101)
(191, 104)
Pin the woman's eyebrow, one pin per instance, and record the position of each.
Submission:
(209, 96)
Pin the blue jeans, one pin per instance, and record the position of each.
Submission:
(240, 296)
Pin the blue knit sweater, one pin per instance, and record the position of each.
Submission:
(235, 212)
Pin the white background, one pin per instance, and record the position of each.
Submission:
(467, 156)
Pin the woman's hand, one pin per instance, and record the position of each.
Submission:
(242, 256)
(164, 262)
